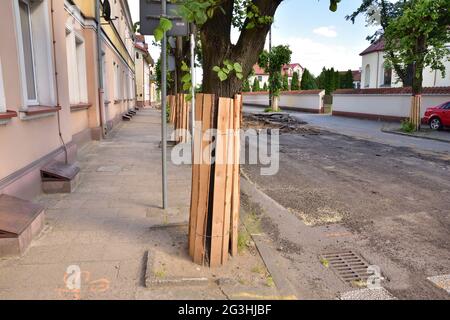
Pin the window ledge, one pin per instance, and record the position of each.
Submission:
(107, 102)
(5, 117)
(35, 112)
(117, 101)
(79, 107)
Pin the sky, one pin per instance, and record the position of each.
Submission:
(317, 37)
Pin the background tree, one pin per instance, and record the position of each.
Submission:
(418, 37)
(328, 80)
(308, 81)
(246, 86)
(285, 86)
(346, 80)
(273, 62)
(265, 88)
(256, 87)
(380, 13)
(295, 83)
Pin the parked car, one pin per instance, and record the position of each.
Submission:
(438, 117)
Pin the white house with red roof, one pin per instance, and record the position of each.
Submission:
(375, 73)
(263, 76)
(289, 70)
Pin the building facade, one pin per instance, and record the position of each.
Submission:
(376, 74)
(146, 94)
(51, 97)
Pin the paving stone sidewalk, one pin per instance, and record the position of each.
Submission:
(102, 227)
(112, 223)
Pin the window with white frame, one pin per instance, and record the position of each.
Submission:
(116, 81)
(76, 63)
(105, 77)
(35, 52)
(2, 91)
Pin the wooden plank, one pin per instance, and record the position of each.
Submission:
(229, 152)
(219, 184)
(195, 186)
(204, 179)
(236, 193)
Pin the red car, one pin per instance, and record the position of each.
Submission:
(438, 117)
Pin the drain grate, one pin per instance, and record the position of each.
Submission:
(349, 266)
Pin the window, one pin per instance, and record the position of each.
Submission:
(116, 82)
(76, 63)
(27, 43)
(35, 52)
(105, 78)
(259, 78)
(367, 77)
(387, 76)
(137, 55)
(2, 91)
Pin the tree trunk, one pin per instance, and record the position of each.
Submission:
(418, 83)
(217, 47)
(275, 103)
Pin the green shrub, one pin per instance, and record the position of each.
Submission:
(407, 126)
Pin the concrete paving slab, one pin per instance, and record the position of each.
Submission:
(442, 282)
(368, 294)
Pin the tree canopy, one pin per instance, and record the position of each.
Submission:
(272, 62)
(308, 81)
(419, 37)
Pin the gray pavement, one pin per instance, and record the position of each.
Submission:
(365, 129)
(108, 228)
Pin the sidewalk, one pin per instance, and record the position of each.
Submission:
(111, 227)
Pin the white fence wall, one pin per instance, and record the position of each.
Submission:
(382, 106)
(308, 101)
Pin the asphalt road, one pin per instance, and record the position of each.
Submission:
(364, 129)
(391, 198)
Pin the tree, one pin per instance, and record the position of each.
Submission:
(308, 81)
(328, 80)
(418, 37)
(295, 84)
(272, 62)
(380, 13)
(215, 20)
(246, 86)
(346, 80)
(285, 86)
(265, 87)
(256, 87)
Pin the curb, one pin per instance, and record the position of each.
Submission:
(414, 136)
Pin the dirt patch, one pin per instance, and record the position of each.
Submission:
(281, 121)
(393, 198)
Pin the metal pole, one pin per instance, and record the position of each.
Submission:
(270, 50)
(193, 85)
(163, 110)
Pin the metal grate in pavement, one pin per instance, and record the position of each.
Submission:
(349, 266)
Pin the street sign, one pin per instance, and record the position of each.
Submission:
(151, 13)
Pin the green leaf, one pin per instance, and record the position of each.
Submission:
(222, 75)
(239, 75)
(159, 34)
(238, 67)
(184, 67)
(165, 24)
(216, 69)
(186, 86)
(186, 78)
